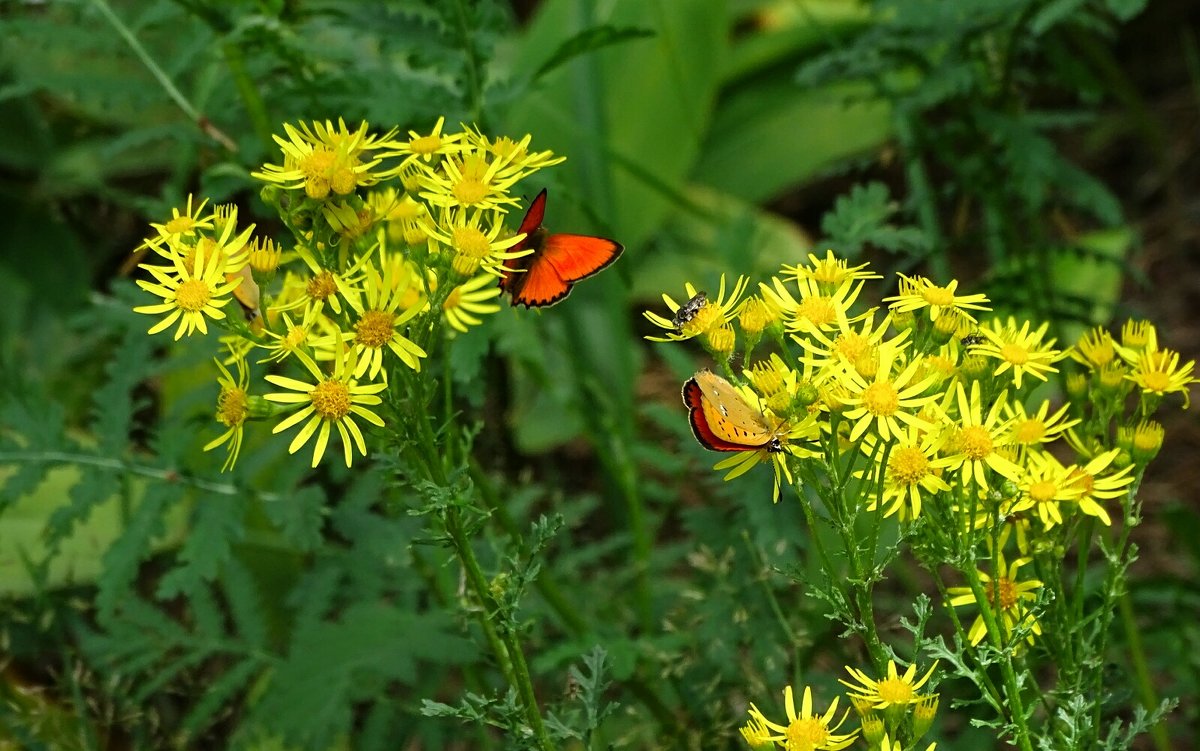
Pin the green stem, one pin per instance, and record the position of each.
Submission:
(922, 192)
(503, 642)
(1012, 691)
(474, 87)
(251, 99)
(161, 76)
(1137, 655)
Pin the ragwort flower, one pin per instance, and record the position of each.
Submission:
(804, 730)
(332, 400)
(1009, 598)
(918, 292)
(189, 294)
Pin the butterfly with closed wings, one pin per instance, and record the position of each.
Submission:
(722, 419)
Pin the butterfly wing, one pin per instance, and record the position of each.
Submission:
(730, 423)
(531, 226)
(558, 261)
(693, 397)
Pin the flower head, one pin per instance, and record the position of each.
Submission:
(806, 731)
(1009, 598)
(469, 300)
(709, 313)
(1020, 351)
(894, 690)
(189, 294)
(918, 292)
(331, 400)
(232, 410)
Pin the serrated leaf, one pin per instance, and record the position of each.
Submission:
(308, 699)
(588, 40)
(121, 560)
(245, 604)
(217, 694)
(218, 522)
(864, 217)
(299, 515)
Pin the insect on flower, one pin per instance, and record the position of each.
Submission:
(689, 310)
(558, 261)
(722, 419)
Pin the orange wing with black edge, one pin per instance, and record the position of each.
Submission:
(693, 397)
(558, 261)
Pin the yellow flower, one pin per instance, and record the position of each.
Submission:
(468, 180)
(887, 745)
(515, 156)
(830, 272)
(895, 690)
(322, 161)
(424, 148)
(323, 285)
(189, 294)
(331, 400)
(1033, 430)
(1020, 350)
(816, 308)
(1096, 487)
(711, 314)
(757, 735)
(232, 410)
(918, 292)
(380, 315)
(469, 300)
(1160, 373)
(977, 439)
(1095, 349)
(294, 337)
(850, 348)
(1008, 597)
(741, 462)
(1046, 485)
(888, 399)
(912, 466)
(180, 225)
(475, 247)
(804, 730)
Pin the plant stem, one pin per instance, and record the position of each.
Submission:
(1012, 691)
(161, 76)
(1137, 656)
(503, 641)
(253, 101)
(922, 194)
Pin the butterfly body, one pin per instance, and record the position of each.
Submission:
(557, 262)
(722, 419)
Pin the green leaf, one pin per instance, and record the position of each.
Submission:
(309, 696)
(218, 521)
(863, 217)
(588, 40)
(772, 135)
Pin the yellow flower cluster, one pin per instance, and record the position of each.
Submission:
(888, 708)
(395, 242)
(931, 406)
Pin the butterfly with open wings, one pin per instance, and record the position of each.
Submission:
(557, 262)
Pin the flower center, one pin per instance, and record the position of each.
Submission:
(1043, 491)
(425, 144)
(331, 399)
(819, 310)
(295, 337)
(1156, 381)
(193, 295)
(852, 346)
(708, 316)
(321, 287)
(469, 191)
(471, 242)
(343, 180)
(806, 733)
(881, 399)
(374, 329)
(975, 442)
(232, 406)
(318, 163)
(935, 295)
(1005, 595)
(179, 225)
(908, 465)
(1029, 432)
(895, 690)
(1015, 354)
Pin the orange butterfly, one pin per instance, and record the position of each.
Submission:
(546, 275)
(723, 420)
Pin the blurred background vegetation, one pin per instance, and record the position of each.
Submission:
(1042, 150)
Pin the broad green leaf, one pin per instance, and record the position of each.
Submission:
(773, 135)
(22, 528)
